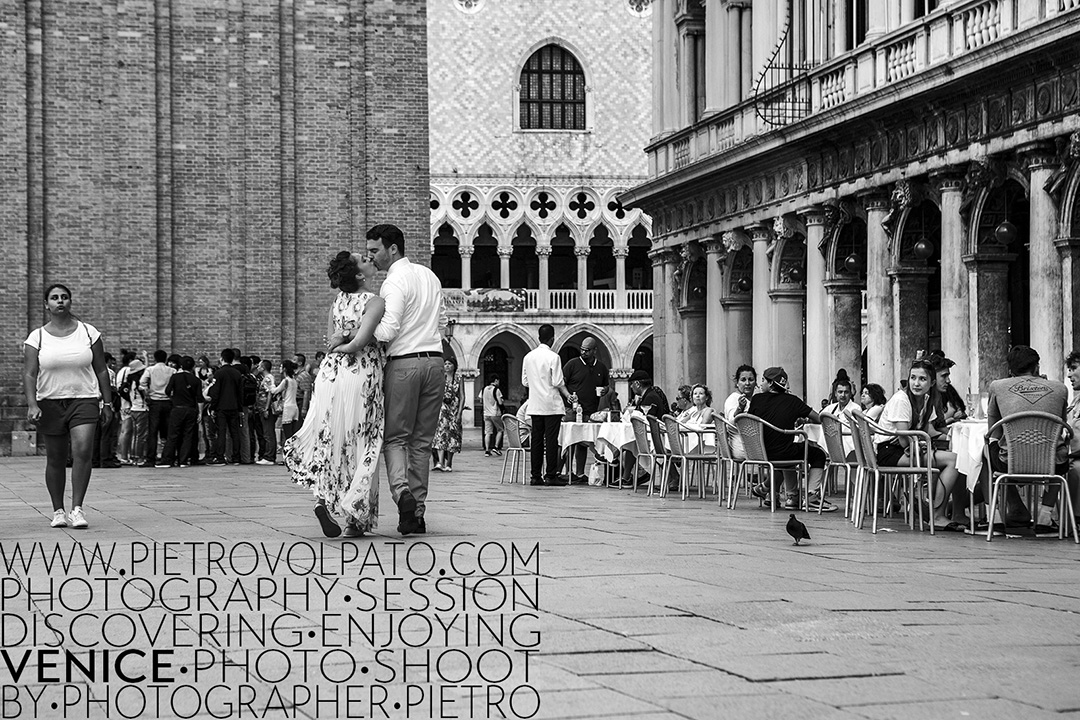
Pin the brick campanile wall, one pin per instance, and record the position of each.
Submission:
(188, 167)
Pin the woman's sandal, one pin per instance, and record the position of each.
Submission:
(329, 527)
(951, 527)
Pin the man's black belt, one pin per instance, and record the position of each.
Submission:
(407, 356)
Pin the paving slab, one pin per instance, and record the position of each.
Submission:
(645, 608)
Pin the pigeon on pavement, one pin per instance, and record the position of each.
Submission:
(796, 529)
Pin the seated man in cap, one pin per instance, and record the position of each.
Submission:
(775, 405)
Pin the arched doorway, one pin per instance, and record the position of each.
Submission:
(643, 356)
(484, 265)
(501, 358)
(445, 260)
(601, 261)
(562, 265)
(1010, 202)
(524, 263)
(917, 285)
(638, 265)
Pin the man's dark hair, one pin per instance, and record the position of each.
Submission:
(187, 363)
(255, 360)
(546, 333)
(236, 353)
(174, 359)
(1023, 360)
(126, 356)
(389, 235)
(1072, 359)
(109, 357)
(227, 356)
(245, 364)
(160, 356)
(303, 358)
(319, 355)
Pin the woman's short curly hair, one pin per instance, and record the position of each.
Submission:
(708, 393)
(344, 272)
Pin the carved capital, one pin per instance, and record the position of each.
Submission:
(760, 233)
(542, 251)
(506, 252)
(1039, 155)
(948, 180)
(621, 374)
(876, 201)
(582, 251)
(468, 373)
(466, 250)
(813, 215)
(620, 252)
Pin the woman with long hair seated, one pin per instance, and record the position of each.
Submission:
(913, 408)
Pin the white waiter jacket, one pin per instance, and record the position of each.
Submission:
(541, 372)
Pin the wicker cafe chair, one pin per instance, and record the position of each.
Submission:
(514, 449)
(689, 462)
(1032, 439)
(730, 467)
(661, 455)
(914, 473)
(644, 451)
(860, 466)
(833, 430)
(752, 430)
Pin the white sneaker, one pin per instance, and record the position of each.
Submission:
(59, 519)
(264, 461)
(78, 520)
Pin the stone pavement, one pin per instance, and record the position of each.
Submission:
(648, 608)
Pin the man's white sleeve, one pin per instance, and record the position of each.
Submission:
(390, 325)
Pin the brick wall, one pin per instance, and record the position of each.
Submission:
(188, 167)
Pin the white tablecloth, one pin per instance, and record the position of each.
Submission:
(968, 440)
(572, 433)
(815, 434)
(613, 437)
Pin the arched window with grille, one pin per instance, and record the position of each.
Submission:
(552, 91)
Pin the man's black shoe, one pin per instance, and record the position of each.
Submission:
(536, 482)
(421, 526)
(147, 464)
(579, 479)
(406, 506)
(111, 464)
(558, 481)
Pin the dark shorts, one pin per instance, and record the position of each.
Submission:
(889, 454)
(59, 416)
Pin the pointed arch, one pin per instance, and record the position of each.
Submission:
(1070, 205)
(601, 336)
(639, 339)
(494, 331)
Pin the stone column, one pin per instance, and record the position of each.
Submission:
(1069, 250)
(466, 253)
(715, 330)
(662, 315)
(543, 252)
(746, 58)
(761, 236)
(788, 340)
(620, 254)
(819, 372)
(504, 266)
(955, 324)
(1045, 270)
(732, 68)
(911, 330)
(621, 377)
(840, 29)
(877, 18)
(988, 286)
(879, 302)
(582, 254)
(845, 328)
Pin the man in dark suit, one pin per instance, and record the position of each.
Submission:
(226, 403)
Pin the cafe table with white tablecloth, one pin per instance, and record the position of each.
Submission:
(967, 441)
(816, 435)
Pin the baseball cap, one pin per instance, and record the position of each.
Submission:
(777, 376)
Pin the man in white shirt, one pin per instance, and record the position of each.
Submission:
(153, 384)
(412, 325)
(541, 372)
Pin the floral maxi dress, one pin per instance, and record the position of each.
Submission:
(448, 431)
(336, 452)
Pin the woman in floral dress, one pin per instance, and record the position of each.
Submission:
(447, 439)
(336, 452)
